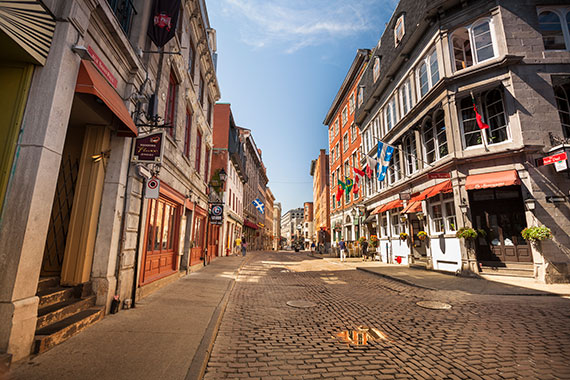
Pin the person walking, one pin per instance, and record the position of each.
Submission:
(243, 246)
(364, 247)
(238, 246)
(342, 247)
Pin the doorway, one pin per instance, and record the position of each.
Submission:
(499, 213)
(419, 251)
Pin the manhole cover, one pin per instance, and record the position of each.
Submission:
(301, 303)
(436, 305)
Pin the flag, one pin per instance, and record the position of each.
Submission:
(370, 163)
(341, 184)
(384, 155)
(478, 117)
(259, 205)
(357, 175)
(163, 19)
(349, 183)
(339, 192)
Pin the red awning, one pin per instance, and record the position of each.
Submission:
(390, 205)
(89, 81)
(249, 224)
(376, 210)
(491, 180)
(412, 207)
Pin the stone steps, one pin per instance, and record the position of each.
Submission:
(508, 269)
(60, 331)
(59, 311)
(54, 296)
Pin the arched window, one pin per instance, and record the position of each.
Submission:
(410, 153)
(551, 29)
(394, 168)
(471, 132)
(429, 141)
(427, 73)
(462, 56)
(440, 133)
(496, 117)
(563, 103)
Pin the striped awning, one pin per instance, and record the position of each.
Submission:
(30, 25)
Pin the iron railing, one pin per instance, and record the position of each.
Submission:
(124, 10)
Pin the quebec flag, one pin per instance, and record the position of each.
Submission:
(385, 153)
(259, 205)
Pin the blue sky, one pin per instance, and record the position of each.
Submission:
(280, 65)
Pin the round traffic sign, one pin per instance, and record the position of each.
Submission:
(152, 184)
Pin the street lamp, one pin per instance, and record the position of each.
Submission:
(223, 176)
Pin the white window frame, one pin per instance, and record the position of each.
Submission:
(360, 96)
(398, 36)
(352, 132)
(345, 143)
(344, 115)
(395, 215)
(446, 219)
(383, 225)
(427, 60)
(376, 69)
(405, 98)
(410, 141)
(474, 55)
(336, 127)
(394, 171)
(566, 100)
(351, 103)
(562, 12)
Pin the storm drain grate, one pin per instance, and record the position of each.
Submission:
(301, 303)
(435, 305)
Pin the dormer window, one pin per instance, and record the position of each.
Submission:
(376, 68)
(360, 95)
(399, 30)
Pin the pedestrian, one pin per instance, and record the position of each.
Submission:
(342, 247)
(312, 246)
(243, 246)
(238, 246)
(364, 247)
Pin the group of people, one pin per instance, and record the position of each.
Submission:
(343, 249)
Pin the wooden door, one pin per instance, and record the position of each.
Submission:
(418, 246)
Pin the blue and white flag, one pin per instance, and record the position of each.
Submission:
(385, 153)
(259, 205)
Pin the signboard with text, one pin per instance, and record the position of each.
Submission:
(101, 66)
(437, 175)
(216, 213)
(148, 148)
(555, 158)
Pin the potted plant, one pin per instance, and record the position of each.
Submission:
(422, 235)
(403, 218)
(374, 241)
(466, 233)
(403, 236)
(536, 234)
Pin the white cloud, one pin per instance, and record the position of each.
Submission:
(295, 24)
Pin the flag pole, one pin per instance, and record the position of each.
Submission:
(406, 153)
(481, 130)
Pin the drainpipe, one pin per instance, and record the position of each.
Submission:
(136, 262)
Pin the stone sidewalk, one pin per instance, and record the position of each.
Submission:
(167, 336)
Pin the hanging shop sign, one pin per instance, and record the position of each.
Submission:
(216, 213)
(152, 188)
(437, 175)
(149, 148)
(163, 18)
(559, 160)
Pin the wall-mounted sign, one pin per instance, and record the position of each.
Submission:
(555, 158)
(437, 175)
(152, 188)
(555, 199)
(405, 196)
(216, 213)
(101, 66)
(148, 148)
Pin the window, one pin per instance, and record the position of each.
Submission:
(170, 104)
(332, 155)
(210, 112)
(191, 59)
(390, 114)
(442, 213)
(471, 132)
(360, 95)
(344, 115)
(352, 132)
(336, 127)
(345, 142)
(376, 69)
(337, 150)
(435, 137)
(187, 136)
(198, 151)
(410, 153)
(333, 200)
(384, 225)
(553, 30)
(207, 165)
(399, 30)
(495, 112)
(483, 41)
(394, 168)
(563, 104)
(441, 135)
(427, 73)
(405, 98)
(395, 217)
(201, 90)
(351, 103)
(123, 10)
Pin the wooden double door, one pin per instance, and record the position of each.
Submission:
(500, 214)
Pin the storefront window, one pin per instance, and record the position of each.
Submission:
(442, 213)
(396, 228)
(437, 218)
(384, 226)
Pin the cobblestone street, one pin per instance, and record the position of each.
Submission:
(480, 337)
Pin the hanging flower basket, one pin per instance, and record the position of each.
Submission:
(374, 241)
(536, 234)
(466, 233)
(403, 236)
(422, 235)
(403, 218)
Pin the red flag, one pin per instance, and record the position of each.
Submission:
(358, 171)
(355, 188)
(478, 117)
(339, 192)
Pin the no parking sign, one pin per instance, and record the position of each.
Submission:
(152, 188)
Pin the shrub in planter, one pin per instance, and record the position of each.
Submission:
(374, 241)
(534, 234)
(403, 236)
(466, 233)
(361, 240)
(422, 235)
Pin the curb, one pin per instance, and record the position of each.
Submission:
(394, 278)
(197, 368)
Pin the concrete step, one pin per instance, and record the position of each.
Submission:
(60, 331)
(515, 271)
(48, 282)
(62, 310)
(52, 296)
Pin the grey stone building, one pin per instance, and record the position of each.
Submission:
(292, 224)
(437, 66)
(76, 230)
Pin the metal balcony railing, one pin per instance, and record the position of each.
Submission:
(124, 10)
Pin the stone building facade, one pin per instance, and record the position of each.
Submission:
(269, 211)
(277, 226)
(321, 198)
(435, 66)
(292, 224)
(74, 209)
